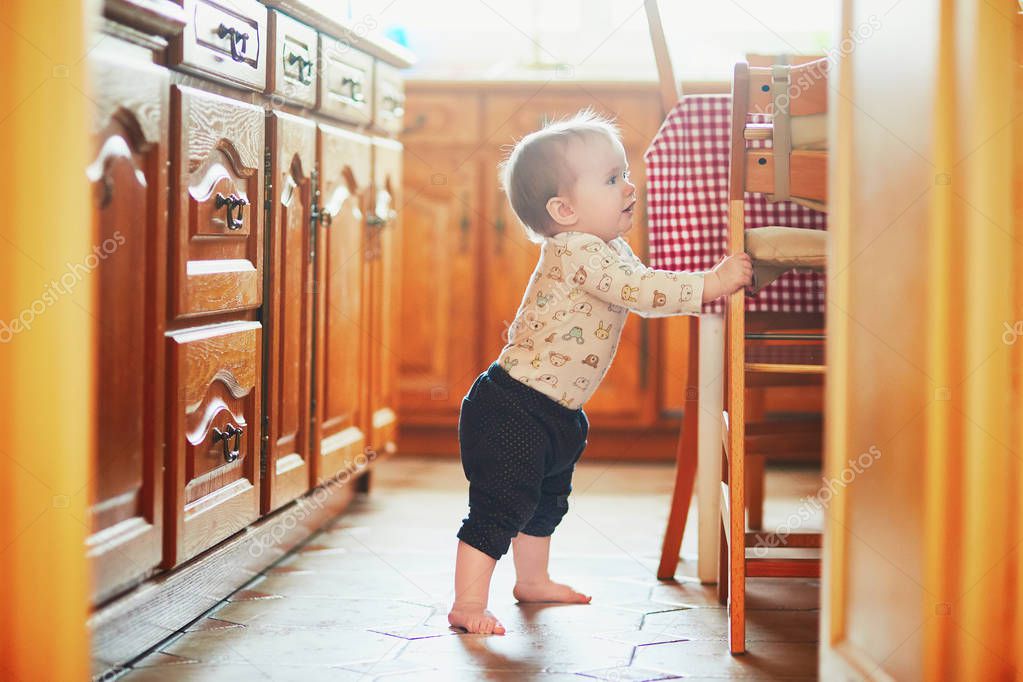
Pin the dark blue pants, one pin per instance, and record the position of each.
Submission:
(519, 448)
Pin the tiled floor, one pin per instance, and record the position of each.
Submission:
(368, 598)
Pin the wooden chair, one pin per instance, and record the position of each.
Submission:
(778, 350)
(686, 449)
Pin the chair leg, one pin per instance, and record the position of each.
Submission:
(737, 532)
(363, 483)
(755, 490)
(681, 497)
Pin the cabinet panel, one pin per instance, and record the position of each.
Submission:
(224, 40)
(213, 435)
(128, 173)
(339, 435)
(440, 288)
(289, 310)
(383, 308)
(217, 199)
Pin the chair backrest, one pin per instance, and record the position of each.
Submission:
(788, 106)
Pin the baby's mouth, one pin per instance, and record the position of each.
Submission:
(628, 209)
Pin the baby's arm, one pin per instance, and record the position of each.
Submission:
(590, 264)
(728, 276)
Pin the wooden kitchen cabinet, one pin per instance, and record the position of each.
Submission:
(339, 435)
(440, 283)
(289, 318)
(128, 174)
(468, 260)
(247, 201)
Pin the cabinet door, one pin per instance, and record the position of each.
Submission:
(217, 203)
(440, 288)
(289, 319)
(383, 225)
(338, 435)
(129, 178)
(213, 435)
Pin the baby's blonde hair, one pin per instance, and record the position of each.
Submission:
(536, 168)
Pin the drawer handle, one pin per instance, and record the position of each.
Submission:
(395, 105)
(304, 66)
(236, 37)
(355, 89)
(499, 223)
(464, 224)
(232, 201)
(224, 438)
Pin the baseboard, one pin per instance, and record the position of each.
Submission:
(134, 623)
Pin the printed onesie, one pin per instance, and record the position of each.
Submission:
(522, 428)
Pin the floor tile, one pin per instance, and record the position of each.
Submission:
(368, 598)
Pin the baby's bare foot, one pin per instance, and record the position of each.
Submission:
(475, 619)
(549, 591)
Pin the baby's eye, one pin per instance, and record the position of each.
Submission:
(612, 179)
(625, 174)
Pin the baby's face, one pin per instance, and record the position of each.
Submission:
(603, 197)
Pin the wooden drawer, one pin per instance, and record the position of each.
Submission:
(292, 72)
(224, 39)
(346, 82)
(216, 203)
(388, 99)
(213, 393)
(442, 117)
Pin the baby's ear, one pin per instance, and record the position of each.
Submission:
(561, 211)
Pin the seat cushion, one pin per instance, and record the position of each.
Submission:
(776, 250)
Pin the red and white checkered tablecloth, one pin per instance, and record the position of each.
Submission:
(687, 204)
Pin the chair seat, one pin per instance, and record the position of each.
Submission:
(776, 249)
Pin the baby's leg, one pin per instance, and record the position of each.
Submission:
(473, 570)
(532, 582)
(532, 546)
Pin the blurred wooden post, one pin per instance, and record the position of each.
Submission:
(46, 343)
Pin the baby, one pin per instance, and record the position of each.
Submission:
(522, 428)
